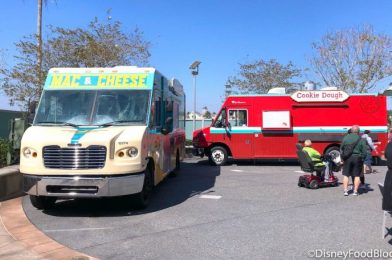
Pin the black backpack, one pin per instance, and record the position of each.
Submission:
(347, 149)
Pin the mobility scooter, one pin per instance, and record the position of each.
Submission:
(312, 181)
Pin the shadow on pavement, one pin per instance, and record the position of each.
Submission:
(194, 178)
(263, 162)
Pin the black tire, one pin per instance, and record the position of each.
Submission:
(333, 151)
(42, 202)
(142, 199)
(217, 156)
(313, 184)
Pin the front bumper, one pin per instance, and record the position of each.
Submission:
(83, 186)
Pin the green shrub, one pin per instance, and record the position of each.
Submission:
(5, 147)
(188, 142)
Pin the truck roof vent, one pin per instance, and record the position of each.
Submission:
(277, 91)
(329, 88)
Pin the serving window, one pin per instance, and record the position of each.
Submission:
(276, 120)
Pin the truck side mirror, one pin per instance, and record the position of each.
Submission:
(169, 121)
(32, 107)
(224, 124)
(224, 115)
(168, 124)
(31, 112)
(164, 131)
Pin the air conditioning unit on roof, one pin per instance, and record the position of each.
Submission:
(277, 91)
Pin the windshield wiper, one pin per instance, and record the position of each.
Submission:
(116, 122)
(57, 123)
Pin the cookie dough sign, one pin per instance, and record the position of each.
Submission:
(320, 96)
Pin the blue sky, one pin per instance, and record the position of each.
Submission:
(220, 34)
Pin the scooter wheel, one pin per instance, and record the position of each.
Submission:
(313, 184)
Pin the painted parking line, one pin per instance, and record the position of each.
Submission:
(212, 197)
(299, 171)
(237, 170)
(73, 229)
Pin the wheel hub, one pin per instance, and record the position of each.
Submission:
(218, 156)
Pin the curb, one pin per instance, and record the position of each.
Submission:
(11, 183)
(22, 240)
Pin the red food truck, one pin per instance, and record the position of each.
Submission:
(268, 126)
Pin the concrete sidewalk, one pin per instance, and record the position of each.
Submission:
(10, 187)
(19, 239)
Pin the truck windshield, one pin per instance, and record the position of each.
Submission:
(93, 107)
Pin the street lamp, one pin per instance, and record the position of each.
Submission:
(195, 71)
(228, 90)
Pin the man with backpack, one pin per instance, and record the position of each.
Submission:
(353, 152)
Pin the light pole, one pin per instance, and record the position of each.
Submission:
(195, 71)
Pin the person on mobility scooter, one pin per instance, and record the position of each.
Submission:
(311, 161)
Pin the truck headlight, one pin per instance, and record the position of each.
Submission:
(29, 153)
(132, 152)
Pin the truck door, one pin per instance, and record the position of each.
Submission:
(276, 139)
(234, 132)
(170, 139)
(241, 134)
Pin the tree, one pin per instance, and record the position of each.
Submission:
(98, 45)
(101, 45)
(260, 76)
(354, 59)
(206, 113)
(20, 82)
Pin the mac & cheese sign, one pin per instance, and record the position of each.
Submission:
(320, 96)
(98, 81)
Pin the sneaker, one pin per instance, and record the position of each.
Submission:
(355, 193)
(345, 193)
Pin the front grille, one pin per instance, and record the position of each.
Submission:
(92, 157)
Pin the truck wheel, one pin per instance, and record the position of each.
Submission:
(142, 199)
(218, 156)
(334, 151)
(42, 202)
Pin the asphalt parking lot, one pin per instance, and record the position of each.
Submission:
(244, 210)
